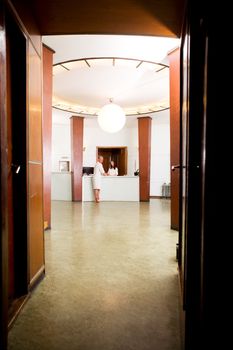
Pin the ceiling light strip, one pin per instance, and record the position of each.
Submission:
(139, 64)
(71, 110)
(111, 58)
(87, 63)
(159, 70)
(62, 65)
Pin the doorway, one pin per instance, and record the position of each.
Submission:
(16, 45)
(118, 155)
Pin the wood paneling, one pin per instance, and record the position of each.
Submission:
(35, 176)
(36, 239)
(47, 131)
(35, 104)
(76, 156)
(142, 17)
(144, 138)
(26, 94)
(174, 61)
(35, 180)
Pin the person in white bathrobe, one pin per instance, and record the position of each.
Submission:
(98, 172)
(112, 171)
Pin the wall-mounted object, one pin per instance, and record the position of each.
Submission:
(64, 166)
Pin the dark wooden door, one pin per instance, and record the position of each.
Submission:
(10, 181)
(184, 160)
(3, 187)
(122, 162)
(17, 171)
(174, 63)
(194, 236)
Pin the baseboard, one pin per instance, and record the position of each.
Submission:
(37, 278)
(15, 309)
(159, 197)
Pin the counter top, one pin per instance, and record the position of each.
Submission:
(61, 172)
(114, 177)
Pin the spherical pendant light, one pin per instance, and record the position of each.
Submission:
(111, 118)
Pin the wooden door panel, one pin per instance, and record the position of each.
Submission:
(174, 61)
(10, 181)
(36, 221)
(35, 110)
(16, 132)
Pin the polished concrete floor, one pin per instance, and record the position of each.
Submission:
(111, 281)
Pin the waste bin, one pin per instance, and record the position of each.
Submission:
(166, 190)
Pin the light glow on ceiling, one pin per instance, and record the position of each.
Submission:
(117, 78)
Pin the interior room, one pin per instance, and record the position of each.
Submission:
(123, 69)
(89, 72)
(108, 194)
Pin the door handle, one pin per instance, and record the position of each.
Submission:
(178, 166)
(174, 167)
(16, 168)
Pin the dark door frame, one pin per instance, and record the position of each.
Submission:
(3, 189)
(7, 19)
(197, 242)
(16, 50)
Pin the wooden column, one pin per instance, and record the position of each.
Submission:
(144, 138)
(174, 60)
(76, 156)
(47, 131)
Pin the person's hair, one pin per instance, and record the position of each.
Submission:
(112, 166)
(100, 156)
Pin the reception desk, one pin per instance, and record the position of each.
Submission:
(113, 188)
(61, 186)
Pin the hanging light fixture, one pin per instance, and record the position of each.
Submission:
(111, 117)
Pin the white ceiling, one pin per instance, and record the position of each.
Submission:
(87, 87)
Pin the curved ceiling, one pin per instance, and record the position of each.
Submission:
(89, 70)
(84, 86)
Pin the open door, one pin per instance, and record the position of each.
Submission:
(197, 258)
(17, 169)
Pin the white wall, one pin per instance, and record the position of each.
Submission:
(128, 136)
(160, 152)
(61, 149)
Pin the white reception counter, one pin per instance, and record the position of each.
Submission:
(113, 188)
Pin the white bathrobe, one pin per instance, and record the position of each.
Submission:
(98, 172)
(113, 171)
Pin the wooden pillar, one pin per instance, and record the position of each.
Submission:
(76, 156)
(144, 138)
(174, 60)
(47, 131)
